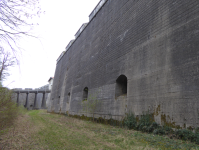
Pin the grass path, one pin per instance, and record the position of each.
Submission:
(40, 130)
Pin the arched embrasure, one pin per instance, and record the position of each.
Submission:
(121, 86)
(68, 97)
(85, 94)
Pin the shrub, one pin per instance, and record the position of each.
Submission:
(147, 124)
(168, 130)
(145, 121)
(185, 134)
(197, 130)
(8, 109)
(130, 121)
(159, 131)
(150, 129)
(196, 138)
(155, 125)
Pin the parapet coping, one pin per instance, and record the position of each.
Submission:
(60, 56)
(80, 29)
(96, 9)
(29, 89)
(83, 27)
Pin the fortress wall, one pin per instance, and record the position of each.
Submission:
(153, 43)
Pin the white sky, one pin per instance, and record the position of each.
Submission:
(57, 27)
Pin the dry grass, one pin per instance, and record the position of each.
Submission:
(40, 130)
(19, 135)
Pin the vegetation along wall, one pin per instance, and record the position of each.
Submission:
(134, 56)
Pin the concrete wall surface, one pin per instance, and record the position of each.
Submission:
(48, 101)
(153, 43)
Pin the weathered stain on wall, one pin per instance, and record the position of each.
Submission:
(153, 43)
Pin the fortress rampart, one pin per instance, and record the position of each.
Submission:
(137, 56)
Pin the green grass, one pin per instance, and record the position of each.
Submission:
(52, 131)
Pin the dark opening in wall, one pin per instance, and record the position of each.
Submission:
(68, 97)
(85, 94)
(58, 102)
(121, 86)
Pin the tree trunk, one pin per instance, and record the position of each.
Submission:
(1, 71)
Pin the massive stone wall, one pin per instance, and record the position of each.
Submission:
(154, 43)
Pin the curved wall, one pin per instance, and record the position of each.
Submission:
(154, 43)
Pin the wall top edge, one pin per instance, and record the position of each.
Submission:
(60, 56)
(69, 45)
(97, 8)
(91, 16)
(80, 30)
(45, 87)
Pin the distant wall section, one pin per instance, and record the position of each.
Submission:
(31, 97)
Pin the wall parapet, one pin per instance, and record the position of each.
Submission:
(69, 45)
(96, 9)
(60, 56)
(45, 87)
(81, 29)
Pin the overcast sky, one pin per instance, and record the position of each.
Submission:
(56, 28)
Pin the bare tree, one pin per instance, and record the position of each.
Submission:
(6, 61)
(16, 21)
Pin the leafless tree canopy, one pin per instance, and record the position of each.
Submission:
(6, 61)
(15, 20)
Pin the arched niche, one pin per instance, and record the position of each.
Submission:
(85, 94)
(68, 97)
(121, 86)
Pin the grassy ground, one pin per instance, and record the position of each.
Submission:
(40, 130)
